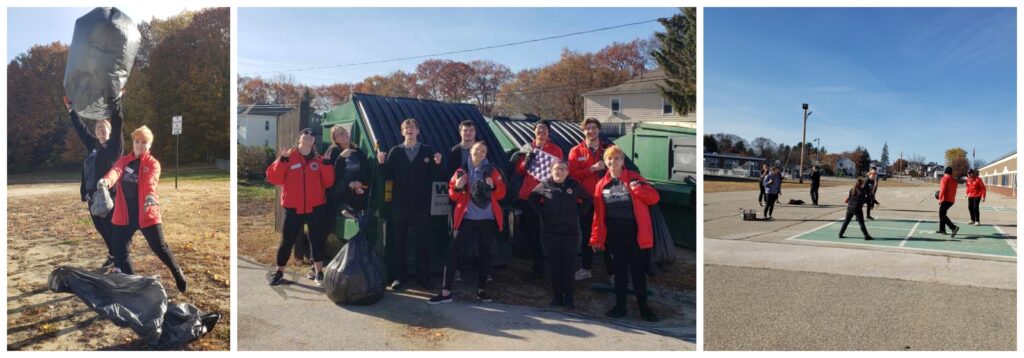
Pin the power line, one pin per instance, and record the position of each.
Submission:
(517, 43)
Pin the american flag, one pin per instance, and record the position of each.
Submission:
(540, 168)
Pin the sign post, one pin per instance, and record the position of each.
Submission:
(176, 132)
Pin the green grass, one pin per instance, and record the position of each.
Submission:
(204, 173)
(255, 190)
(186, 172)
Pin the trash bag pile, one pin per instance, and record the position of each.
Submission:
(102, 52)
(136, 302)
(356, 274)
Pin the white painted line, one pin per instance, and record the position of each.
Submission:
(912, 230)
(846, 242)
(1006, 238)
(811, 230)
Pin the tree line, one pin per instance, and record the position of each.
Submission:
(182, 68)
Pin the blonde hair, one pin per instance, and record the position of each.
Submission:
(410, 121)
(144, 133)
(613, 150)
(335, 129)
(105, 122)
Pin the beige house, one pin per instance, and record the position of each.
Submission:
(636, 100)
(1000, 175)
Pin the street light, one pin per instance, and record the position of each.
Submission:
(802, 141)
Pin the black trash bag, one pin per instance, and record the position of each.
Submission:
(356, 274)
(100, 58)
(136, 302)
(101, 204)
(664, 252)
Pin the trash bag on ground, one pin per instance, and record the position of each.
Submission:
(664, 252)
(101, 204)
(102, 52)
(356, 275)
(136, 302)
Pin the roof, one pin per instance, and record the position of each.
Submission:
(1004, 156)
(732, 156)
(646, 82)
(264, 110)
(564, 134)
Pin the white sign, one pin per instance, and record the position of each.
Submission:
(176, 125)
(440, 205)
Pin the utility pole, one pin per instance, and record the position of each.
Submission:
(802, 141)
(902, 163)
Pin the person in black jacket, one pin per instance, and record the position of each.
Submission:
(410, 168)
(855, 207)
(104, 148)
(458, 156)
(815, 183)
(559, 202)
(351, 175)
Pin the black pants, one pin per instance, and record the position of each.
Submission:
(850, 213)
(480, 231)
(104, 226)
(416, 220)
(315, 222)
(871, 204)
(587, 253)
(770, 207)
(630, 260)
(561, 252)
(760, 196)
(335, 203)
(530, 224)
(973, 206)
(814, 194)
(943, 217)
(154, 237)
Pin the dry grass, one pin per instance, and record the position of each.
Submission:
(48, 226)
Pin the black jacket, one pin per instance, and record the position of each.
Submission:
(412, 180)
(816, 178)
(342, 178)
(858, 197)
(453, 160)
(107, 154)
(559, 205)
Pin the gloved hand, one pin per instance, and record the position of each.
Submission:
(102, 183)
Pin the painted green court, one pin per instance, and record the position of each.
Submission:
(997, 208)
(913, 234)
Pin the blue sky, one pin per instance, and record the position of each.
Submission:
(39, 26)
(923, 80)
(275, 39)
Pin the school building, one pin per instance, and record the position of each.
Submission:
(1000, 175)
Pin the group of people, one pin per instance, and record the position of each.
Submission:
(132, 183)
(590, 203)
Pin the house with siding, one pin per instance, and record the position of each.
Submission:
(636, 100)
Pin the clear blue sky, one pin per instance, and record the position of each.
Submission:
(275, 39)
(39, 26)
(923, 80)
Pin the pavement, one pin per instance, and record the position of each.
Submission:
(765, 290)
(298, 316)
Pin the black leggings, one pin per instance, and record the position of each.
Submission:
(154, 237)
(770, 207)
(561, 252)
(943, 217)
(814, 194)
(871, 203)
(630, 260)
(973, 205)
(587, 253)
(850, 213)
(760, 196)
(292, 230)
(105, 227)
(481, 231)
(417, 221)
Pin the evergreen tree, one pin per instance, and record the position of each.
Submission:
(677, 56)
(884, 160)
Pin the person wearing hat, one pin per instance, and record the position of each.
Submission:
(772, 189)
(947, 196)
(559, 201)
(475, 189)
(975, 195)
(855, 207)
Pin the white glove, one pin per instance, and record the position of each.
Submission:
(103, 184)
(526, 148)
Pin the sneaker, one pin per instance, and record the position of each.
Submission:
(761, 204)
(868, 238)
(977, 223)
(940, 232)
(311, 275)
(616, 312)
(955, 229)
(395, 285)
(870, 218)
(109, 263)
(319, 280)
(841, 236)
(440, 299)
(275, 278)
(483, 296)
(970, 223)
(582, 274)
(458, 276)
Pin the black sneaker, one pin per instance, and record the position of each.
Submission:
(109, 263)
(647, 314)
(319, 280)
(955, 229)
(616, 312)
(440, 299)
(870, 218)
(275, 278)
(841, 236)
(395, 285)
(483, 296)
(179, 281)
(868, 238)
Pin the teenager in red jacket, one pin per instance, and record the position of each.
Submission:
(622, 225)
(530, 222)
(975, 195)
(475, 188)
(586, 167)
(947, 196)
(304, 179)
(137, 207)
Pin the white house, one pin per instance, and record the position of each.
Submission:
(636, 100)
(257, 124)
(846, 166)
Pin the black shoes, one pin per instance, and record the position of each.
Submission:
(870, 218)
(275, 278)
(440, 298)
(868, 238)
(179, 280)
(395, 285)
(109, 263)
(616, 312)
(483, 296)
(647, 314)
(955, 229)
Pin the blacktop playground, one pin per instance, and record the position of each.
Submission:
(792, 284)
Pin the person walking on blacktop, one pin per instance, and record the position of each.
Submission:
(760, 183)
(855, 207)
(870, 189)
(104, 147)
(412, 167)
(622, 225)
(975, 196)
(947, 196)
(304, 179)
(476, 189)
(815, 183)
(772, 189)
(559, 201)
(586, 167)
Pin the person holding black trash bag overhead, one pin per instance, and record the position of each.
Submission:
(855, 207)
(304, 178)
(947, 196)
(104, 147)
(870, 189)
(137, 207)
(409, 166)
(559, 201)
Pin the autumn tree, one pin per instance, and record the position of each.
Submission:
(957, 159)
(677, 55)
(36, 121)
(486, 79)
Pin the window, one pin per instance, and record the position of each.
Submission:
(266, 142)
(266, 125)
(1003, 178)
(666, 108)
(615, 106)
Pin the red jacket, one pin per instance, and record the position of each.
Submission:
(975, 188)
(462, 199)
(580, 161)
(149, 177)
(529, 182)
(643, 196)
(303, 181)
(947, 189)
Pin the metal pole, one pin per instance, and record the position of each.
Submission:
(804, 139)
(176, 146)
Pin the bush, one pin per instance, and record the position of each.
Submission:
(253, 161)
